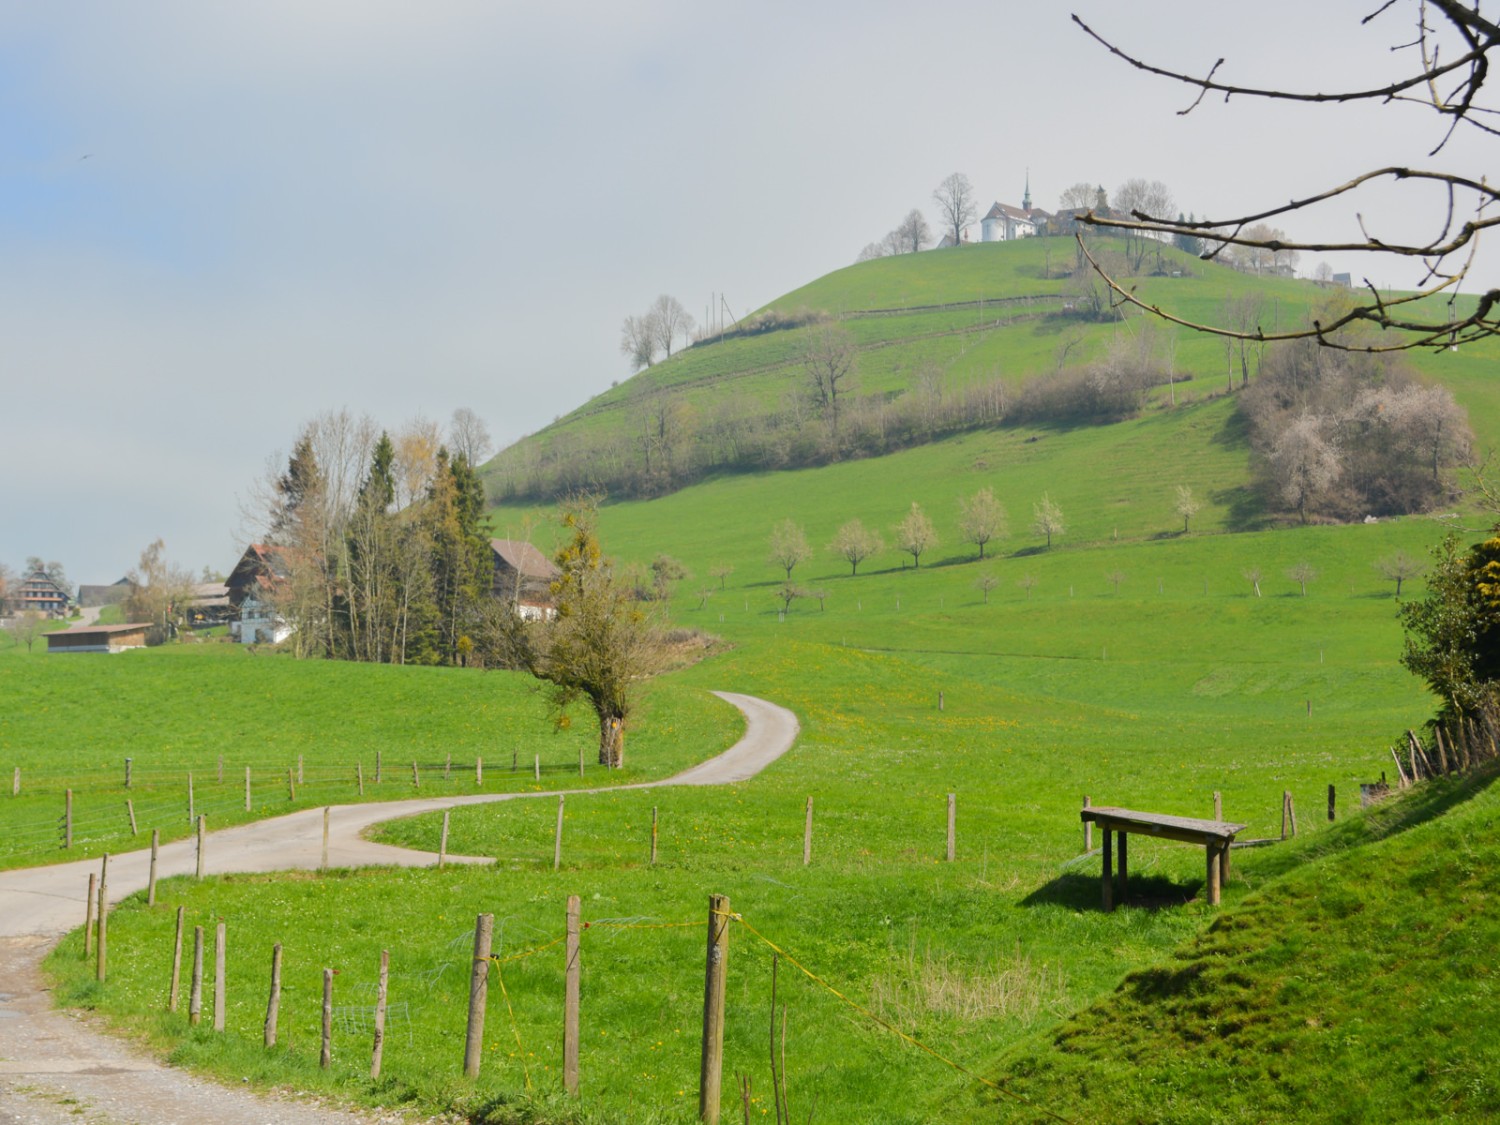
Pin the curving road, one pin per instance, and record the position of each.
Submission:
(55, 1070)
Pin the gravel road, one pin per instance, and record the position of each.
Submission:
(55, 1068)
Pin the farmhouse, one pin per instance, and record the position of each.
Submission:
(524, 577)
(37, 593)
(98, 638)
(113, 594)
(251, 588)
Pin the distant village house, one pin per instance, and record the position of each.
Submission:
(523, 576)
(250, 595)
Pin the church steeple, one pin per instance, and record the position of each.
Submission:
(1026, 199)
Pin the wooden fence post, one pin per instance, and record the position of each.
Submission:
(15, 783)
(448, 767)
(359, 777)
(247, 788)
(219, 977)
(88, 916)
(273, 1002)
(202, 824)
(537, 767)
(128, 762)
(130, 811)
(653, 835)
(479, 977)
(291, 785)
(382, 992)
(1332, 803)
(101, 965)
(1291, 811)
(478, 771)
(176, 960)
(557, 837)
(68, 819)
(325, 1056)
(299, 769)
(195, 984)
(952, 818)
(807, 821)
(1088, 827)
(570, 999)
(443, 841)
(377, 767)
(1218, 805)
(323, 857)
(151, 878)
(221, 769)
(192, 807)
(940, 700)
(1285, 797)
(711, 1068)
(416, 778)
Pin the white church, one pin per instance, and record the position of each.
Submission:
(1005, 223)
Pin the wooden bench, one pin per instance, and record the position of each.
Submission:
(1215, 835)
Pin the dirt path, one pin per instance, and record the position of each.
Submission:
(54, 1068)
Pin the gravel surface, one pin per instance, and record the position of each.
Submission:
(55, 1067)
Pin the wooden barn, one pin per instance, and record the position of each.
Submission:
(98, 638)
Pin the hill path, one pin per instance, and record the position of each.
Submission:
(56, 1069)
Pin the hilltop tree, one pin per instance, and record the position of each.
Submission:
(6, 578)
(669, 320)
(1398, 567)
(1047, 519)
(855, 543)
(956, 204)
(1080, 196)
(638, 341)
(1185, 505)
(788, 546)
(915, 534)
(981, 519)
(469, 436)
(913, 232)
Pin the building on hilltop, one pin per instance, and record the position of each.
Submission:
(1006, 223)
(523, 576)
(37, 593)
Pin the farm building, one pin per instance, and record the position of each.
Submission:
(113, 594)
(36, 593)
(98, 638)
(251, 591)
(523, 576)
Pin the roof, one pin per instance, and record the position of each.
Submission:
(523, 558)
(80, 630)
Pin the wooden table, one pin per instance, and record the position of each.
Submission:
(1214, 835)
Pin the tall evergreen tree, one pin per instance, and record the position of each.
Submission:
(461, 568)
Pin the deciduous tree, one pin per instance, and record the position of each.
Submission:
(986, 582)
(913, 233)
(1047, 519)
(830, 361)
(25, 627)
(669, 320)
(855, 543)
(956, 204)
(1186, 505)
(159, 591)
(1398, 567)
(915, 534)
(1302, 573)
(982, 518)
(788, 546)
(469, 436)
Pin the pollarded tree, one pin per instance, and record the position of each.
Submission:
(1186, 506)
(982, 518)
(788, 546)
(1047, 519)
(915, 534)
(855, 543)
(956, 205)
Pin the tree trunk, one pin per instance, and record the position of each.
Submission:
(611, 741)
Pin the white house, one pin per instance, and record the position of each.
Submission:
(1005, 223)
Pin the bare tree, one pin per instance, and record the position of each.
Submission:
(1186, 505)
(830, 360)
(721, 571)
(638, 341)
(159, 591)
(1026, 582)
(1151, 197)
(1078, 197)
(872, 251)
(1253, 576)
(1398, 567)
(956, 205)
(788, 546)
(1305, 462)
(986, 582)
(468, 435)
(25, 627)
(982, 518)
(855, 543)
(7, 577)
(1115, 577)
(669, 320)
(913, 232)
(1449, 51)
(915, 534)
(789, 592)
(1302, 573)
(1047, 519)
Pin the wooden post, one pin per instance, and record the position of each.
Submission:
(202, 823)
(101, 965)
(382, 991)
(1109, 875)
(1213, 873)
(291, 785)
(68, 819)
(952, 818)
(479, 977)
(1285, 797)
(273, 1001)
(195, 985)
(557, 837)
(515, 756)
(247, 788)
(443, 841)
(323, 858)
(88, 916)
(1332, 803)
(15, 783)
(537, 767)
(325, 1056)
(128, 762)
(478, 771)
(1088, 827)
(176, 960)
(1218, 805)
(130, 811)
(221, 769)
(359, 777)
(416, 778)
(151, 878)
(1224, 864)
(716, 975)
(580, 757)
(299, 768)
(570, 1000)
(1124, 873)
(653, 835)
(1400, 773)
(807, 834)
(192, 807)
(940, 700)
(1291, 812)
(377, 767)
(219, 977)
(448, 767)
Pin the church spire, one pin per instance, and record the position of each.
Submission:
(1026, 199)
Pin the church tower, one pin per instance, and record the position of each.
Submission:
(1026, 198)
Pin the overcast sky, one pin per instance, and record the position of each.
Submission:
(217, 220)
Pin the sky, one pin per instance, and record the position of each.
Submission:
(218, 220)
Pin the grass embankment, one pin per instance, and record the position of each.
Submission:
(213, 710)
